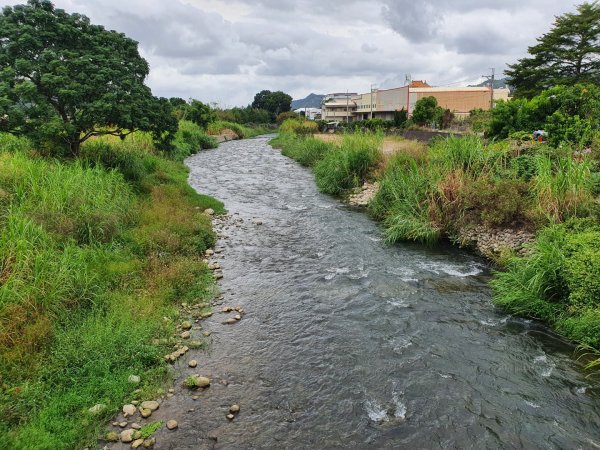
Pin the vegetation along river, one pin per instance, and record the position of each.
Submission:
(350, 343)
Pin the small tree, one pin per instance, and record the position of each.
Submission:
(274, 102)
(569, 53)
(64, 80)
(426, 111)
(400, 118)
(200, 113)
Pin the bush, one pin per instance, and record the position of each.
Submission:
(285, 116)
(308, 151)
(190, 139)
(558, 281)
(347, 166)
(403, 202)
(299, 127)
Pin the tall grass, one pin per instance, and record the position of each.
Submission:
(94, 254)
(242, 131)
(563, 187)
(308, 151)
(403, 200)
(346, 167)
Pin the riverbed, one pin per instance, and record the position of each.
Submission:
(347, 342)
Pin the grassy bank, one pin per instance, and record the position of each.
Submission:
(95, 255)
(456, 184)
(242, 131)
(337, 167)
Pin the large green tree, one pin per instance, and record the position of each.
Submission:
(274, 102)
(64, 80)
(569, 53)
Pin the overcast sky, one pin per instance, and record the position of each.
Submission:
(226, 51)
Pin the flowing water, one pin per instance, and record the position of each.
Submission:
(350, 343)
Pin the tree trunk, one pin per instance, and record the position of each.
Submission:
(75, 146)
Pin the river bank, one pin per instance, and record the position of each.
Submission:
(97, 252)
(492, 198)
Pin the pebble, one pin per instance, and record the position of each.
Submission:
(229, 321)
(209, 252)
(137, 443)
(134, 379)
(122, 424)
(195, 397)
(209, 211)
(145, 413)
(185, 335)
(136, 426)
(97, 408)
(149, 443)
(206, 333)
(171, 390)
(129, 410)
(135, 402)
(237, 317)
(230, 416)
(234, 409)
(112, 436)
(193, 363)
(212, 435)
(151, 405)
(115, 424)
(186, 325)
(172, 424)
(127, 436)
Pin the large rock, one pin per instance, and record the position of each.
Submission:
(129, 410)
(127, 435)
(150, 404)
(172, 424)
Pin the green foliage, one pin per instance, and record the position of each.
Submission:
(566, 55)
(275, 102)
(199, 113)
(347, 166)
(64, 80)
(149, 429)
(307, 151)
(558, 281)
(569, 115)
(243, 132)
(89, 271)
(402, 202)
(301, 127)
(400, 118)
(427, 112)
(247, 115)
(282, 117)
(190, 139)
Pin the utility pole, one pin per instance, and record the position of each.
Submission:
(491, 78)
(371, 101)
(347, 101)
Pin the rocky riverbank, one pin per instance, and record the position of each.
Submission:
(488, 242)
(141, 421)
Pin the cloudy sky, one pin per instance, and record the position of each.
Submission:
(226, 51)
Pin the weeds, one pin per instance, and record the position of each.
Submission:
(94, 254)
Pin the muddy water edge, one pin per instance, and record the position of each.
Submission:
(346, 342)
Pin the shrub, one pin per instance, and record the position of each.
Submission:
(347, 166)
(285, 116)
(558, 281)
(307, 151)
(299, 127)
(190, 139)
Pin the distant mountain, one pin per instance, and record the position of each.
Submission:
(498, 84)
(312, 101)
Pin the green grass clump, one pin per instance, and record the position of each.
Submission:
(402, 202)
(242, 131)
(190, 139)
(95, 253)
(300, 127)
(308, 151)
(559, 281)
(346, 167)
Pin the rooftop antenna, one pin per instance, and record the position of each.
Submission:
(407, 79)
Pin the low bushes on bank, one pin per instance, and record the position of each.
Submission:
(95, 253)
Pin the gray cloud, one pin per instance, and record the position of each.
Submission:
(226, 51)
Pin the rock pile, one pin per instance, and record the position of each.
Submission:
(363, 195)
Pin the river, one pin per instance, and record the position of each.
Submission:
(347, 342)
